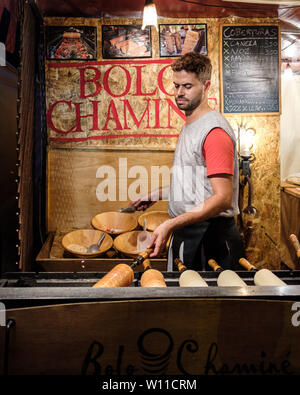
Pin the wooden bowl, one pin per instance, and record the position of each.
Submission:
(114, 222)
(79, 239)
(153, 219)
(127, 243)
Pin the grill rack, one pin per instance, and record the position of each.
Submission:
(18, 290)
(87, 279)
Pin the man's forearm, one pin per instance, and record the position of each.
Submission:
(210, 208)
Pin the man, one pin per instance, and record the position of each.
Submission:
(203, 195)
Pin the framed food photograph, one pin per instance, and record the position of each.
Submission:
(71, 42)
(126, 41)
(176, 40)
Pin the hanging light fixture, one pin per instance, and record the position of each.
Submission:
(246, 142)
(149, 15)
(288, 72)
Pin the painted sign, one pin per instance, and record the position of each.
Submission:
(113, 104)
(157, 337)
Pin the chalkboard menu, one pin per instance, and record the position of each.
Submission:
(250, 69)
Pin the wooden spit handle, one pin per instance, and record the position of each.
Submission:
(168, 242)
(213, 264)
(247, 265)
(146, 253)
(147, 264)
(296, 244)
(141, 257)
(178, 262)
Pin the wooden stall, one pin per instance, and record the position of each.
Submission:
(111, 126)
(120, 112)
(290, 206)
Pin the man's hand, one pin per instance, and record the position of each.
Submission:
(160, 237)
(221, 200)
(142, 203)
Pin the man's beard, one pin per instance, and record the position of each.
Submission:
(189, 105)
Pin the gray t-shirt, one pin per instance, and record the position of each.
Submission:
(190, 185)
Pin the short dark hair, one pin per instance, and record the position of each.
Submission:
(194, 63)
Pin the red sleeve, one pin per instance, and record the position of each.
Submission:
(218, 152)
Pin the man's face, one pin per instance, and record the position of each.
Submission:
(188, 90)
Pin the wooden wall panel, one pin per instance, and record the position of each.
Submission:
(264, 240)
(75, 195)
(25, 138)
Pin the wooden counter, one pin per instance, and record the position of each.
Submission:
(53, 258)
(65, 326)
(290, 222)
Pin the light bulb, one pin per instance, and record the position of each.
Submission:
(288, 72)
(246, 141)
(149, 15)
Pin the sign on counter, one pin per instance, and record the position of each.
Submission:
(197, 336)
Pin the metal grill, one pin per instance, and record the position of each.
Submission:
(35, 289)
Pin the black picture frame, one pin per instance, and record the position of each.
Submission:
(177, 39)
(126, 42)
(71, 42)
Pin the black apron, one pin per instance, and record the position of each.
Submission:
(217, 238)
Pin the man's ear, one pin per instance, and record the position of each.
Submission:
(207, 85)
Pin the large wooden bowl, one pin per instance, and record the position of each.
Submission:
(115, 223)
(79, 239)
(153, 219)
(127, 243)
